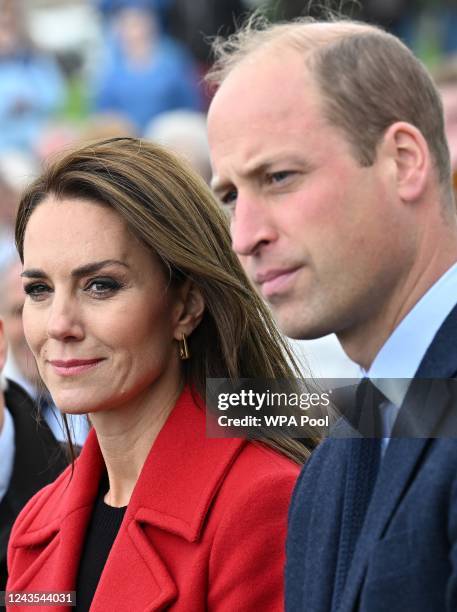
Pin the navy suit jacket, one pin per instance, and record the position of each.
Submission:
(405, 559)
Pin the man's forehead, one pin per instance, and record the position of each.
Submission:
(263, 66)
(261, 96)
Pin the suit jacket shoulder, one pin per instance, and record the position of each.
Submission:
(406, 555)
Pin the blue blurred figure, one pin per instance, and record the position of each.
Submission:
(31, 85)
(161, 7)
(144, 73)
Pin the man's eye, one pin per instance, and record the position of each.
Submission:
(37, 291)
(229, 198)
(278, 177)
(102, 287)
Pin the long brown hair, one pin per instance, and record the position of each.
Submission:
(171, 209)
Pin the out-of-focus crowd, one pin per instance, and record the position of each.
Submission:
(79, 70)
(76, 71)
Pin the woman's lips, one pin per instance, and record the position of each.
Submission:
(73, 367)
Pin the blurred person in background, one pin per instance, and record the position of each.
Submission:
(185, 133)
(21, 366)
(143, 73)
(30, 456)
(17, 168)
(100, 126)
(193, 22)
(161, 7)
(445, 75)
(31, 85)
(8, 203)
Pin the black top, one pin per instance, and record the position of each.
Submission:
(101, 533)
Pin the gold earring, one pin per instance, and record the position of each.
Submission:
(183, 348)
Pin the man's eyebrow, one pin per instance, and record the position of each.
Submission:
(255, 168)
(219, 186)
(82, 271)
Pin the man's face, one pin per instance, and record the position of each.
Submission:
(314, 230)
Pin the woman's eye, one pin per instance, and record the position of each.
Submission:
(37, 291)
(102, 287)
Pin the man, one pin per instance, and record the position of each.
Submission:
(37, 457)
(329, 151)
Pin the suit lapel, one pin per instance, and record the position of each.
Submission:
(440, 361)
(403, 454)
(400, 459)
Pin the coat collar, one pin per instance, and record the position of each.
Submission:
(165, 496)
(178, 482)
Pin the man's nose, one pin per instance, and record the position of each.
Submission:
(252, 225)
(64, 321)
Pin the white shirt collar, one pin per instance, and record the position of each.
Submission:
(398, 360)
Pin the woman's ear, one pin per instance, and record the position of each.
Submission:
(191, 306)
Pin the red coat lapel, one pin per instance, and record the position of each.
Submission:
(179, 480)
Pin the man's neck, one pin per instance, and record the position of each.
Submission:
(363, 342)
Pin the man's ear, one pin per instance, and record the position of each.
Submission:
(3, 345)
(191, 306)
(407, 148)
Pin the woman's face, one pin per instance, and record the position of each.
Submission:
(98, 315)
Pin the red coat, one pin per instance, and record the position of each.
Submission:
(204, 530)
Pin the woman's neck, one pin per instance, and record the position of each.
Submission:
(126, 435)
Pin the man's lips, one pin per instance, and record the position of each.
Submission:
(71, 367)
(274, 281)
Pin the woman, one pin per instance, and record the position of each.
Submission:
(134, 299)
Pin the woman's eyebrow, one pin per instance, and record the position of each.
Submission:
(89, 268)
(33, 273)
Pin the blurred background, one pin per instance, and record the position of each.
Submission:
(76, 70)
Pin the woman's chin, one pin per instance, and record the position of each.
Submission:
(71, 405)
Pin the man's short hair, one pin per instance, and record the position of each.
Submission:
(368, 79)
